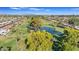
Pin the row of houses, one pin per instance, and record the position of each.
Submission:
(63, 19)
(75, 27)
(5, 26)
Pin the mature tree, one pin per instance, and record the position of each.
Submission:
(39, 41)
(35, 23)
(71, 38)
(74, 21)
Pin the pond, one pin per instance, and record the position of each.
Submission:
(51, 30)
(57, 37)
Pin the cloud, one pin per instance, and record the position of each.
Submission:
(35, 9)
(75, 9)
(30, 8)
(40, 9)
(47, 10)
(15, 8)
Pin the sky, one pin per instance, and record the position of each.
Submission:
(40, 10)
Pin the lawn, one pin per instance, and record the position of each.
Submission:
(59, 29)
(10, 40)
(8, 43)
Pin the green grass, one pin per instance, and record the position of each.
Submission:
(59, 29)
(8, 43)
(10, 39)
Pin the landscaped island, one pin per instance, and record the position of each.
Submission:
(39, 32)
